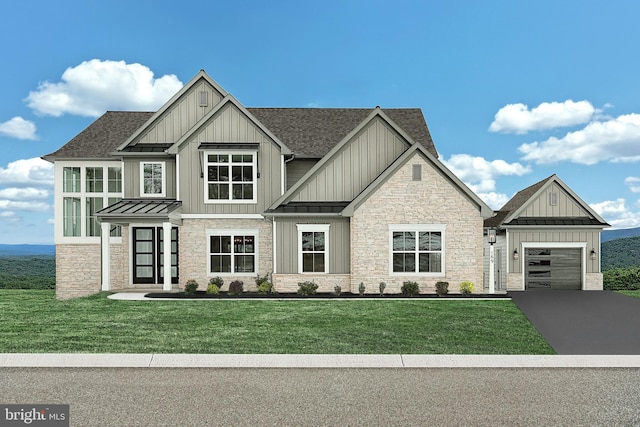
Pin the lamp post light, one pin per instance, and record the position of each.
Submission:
(491, 236)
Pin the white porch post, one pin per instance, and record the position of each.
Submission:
(492, 270)
(105, 231)
(166, 256)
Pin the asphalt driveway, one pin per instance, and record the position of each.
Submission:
(583, 322)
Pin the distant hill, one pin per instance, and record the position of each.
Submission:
(27, 250)
(619, 234)
(621, 253)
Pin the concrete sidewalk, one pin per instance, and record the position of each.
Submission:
(59, 360)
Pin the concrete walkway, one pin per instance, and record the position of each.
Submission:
(583, 322)
(59, 360)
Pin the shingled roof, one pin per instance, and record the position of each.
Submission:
(308, 132)
(313, 132)
(515, 203)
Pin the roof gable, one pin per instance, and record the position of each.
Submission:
(549, 201)
(456, 183)
(180, 113)
(238, 134)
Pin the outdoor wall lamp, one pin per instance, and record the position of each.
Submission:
(516, 256)
(491, 235)
(593, 254)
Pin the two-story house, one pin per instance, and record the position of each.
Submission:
(207, 187)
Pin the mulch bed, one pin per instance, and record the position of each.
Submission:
(320, 295)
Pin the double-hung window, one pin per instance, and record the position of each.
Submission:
(417, 249)
(231, 177)
(232, 251)
(313, 248)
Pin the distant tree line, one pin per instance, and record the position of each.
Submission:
(28, 272)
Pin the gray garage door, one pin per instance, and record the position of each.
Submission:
(553, 268)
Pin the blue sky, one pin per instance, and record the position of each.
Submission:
(512, 91)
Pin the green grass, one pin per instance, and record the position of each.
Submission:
(634, 293)
(34, 321)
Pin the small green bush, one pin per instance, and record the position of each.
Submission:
(382, 286)
(213, 289)
(466, 288)
(261, 279)
(410, 288)
(217, 281)
(307, 288)
(236, 287)
(362, 288)
(265, 288)
(191, 287)
(442, 288)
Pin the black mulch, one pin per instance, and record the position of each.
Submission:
(320, 295)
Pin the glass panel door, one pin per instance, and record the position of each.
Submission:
(144, 245)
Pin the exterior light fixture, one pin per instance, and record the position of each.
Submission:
(516, 255)
(491, 235)
(593, 254)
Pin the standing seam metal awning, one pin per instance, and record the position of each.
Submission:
(139, 209)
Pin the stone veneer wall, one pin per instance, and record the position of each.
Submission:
(400, 200)
(79, 271)
(193, 254)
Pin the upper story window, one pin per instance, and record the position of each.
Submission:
(84, 192)
(231, 177)
(152, 179)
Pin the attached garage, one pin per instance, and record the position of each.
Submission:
(546, 237)
(553, 268)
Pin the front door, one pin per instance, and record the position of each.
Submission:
(148, 243)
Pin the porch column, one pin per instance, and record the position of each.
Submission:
(166, 256)
(105, 231)
(492, 270)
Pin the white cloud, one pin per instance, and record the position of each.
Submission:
(517, 118)
(96, 86)
(610, 207)
(493, 199)
(30, 206)
(615, 140)
(34, 171)
(633, 183)
(23, 193)
(18, 128)
(480, 175)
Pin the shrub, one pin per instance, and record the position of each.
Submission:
(265, 288)
(261, 279)
(621, 279)
(466, 288)
(442, 288)
(236, 287)
(337, 290)
(307, 288)
(410, 288)
(213, 289)
(362, 288)
(191, 287)
(217, 281)
(382, 286)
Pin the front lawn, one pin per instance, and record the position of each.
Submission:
(35, 322)
(635, 293)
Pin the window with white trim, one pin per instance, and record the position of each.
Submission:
(313, 248)
(417, 249)
(231, 177)
(152, 182)
(84, 192)
(232, 251)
